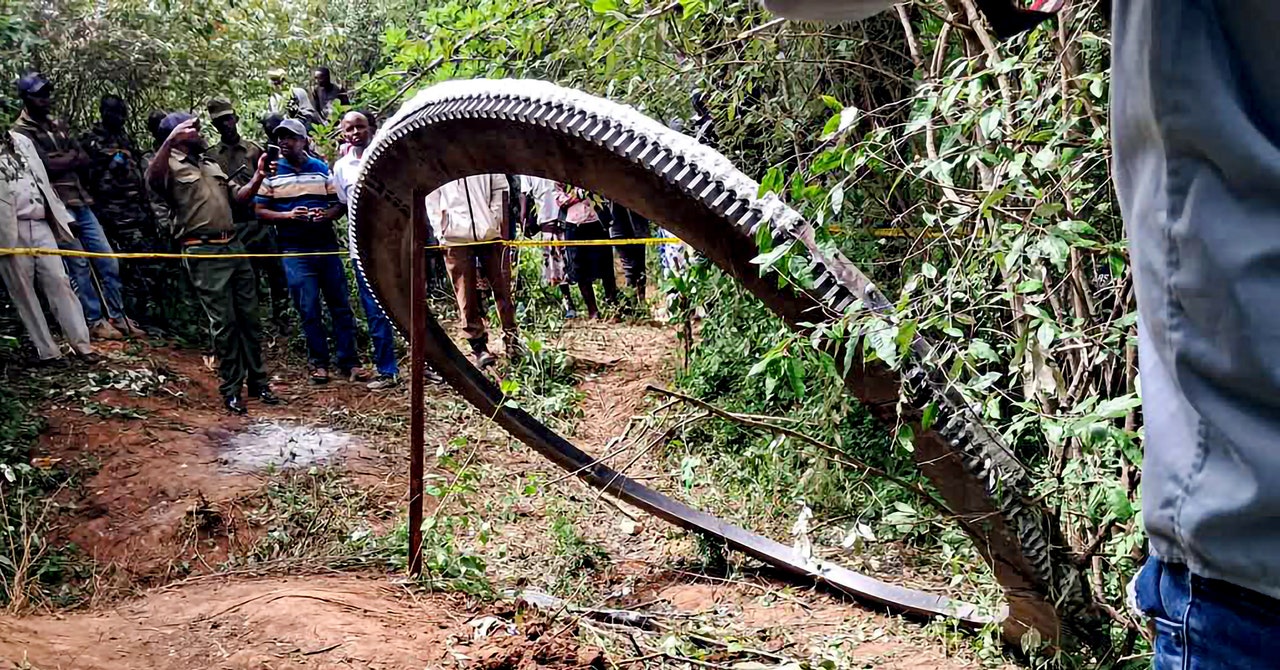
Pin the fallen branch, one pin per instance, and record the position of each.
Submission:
(836, 454)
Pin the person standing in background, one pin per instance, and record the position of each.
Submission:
(540, 197)
(357, 129)
(624, 224)
(325, 93)
(464, 214)
(238, 158)
(301, 200)
(32, 215)
(586, 264)
(117, 183)
(63, 156)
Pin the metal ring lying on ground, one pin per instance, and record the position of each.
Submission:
(462, 128)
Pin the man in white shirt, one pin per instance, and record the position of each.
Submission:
(357, 129)
(468, 216)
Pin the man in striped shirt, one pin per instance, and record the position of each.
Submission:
(301, 202)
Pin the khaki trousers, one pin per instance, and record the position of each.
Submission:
(22, 275)
(462, 262)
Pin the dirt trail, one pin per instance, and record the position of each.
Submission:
(164, 500)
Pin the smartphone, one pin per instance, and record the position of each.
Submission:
(273, 154)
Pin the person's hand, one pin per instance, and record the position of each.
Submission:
(263, 167)
(320, 215)
(186, 131)
(300, 214)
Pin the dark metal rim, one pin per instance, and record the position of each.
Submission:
(694, 172)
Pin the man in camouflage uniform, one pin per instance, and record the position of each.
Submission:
(238, 158)
(115, 179)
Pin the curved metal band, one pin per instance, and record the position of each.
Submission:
(464, 128)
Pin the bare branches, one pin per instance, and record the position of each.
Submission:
(836, 454)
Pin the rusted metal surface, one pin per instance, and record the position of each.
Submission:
(466, 128)
(418, 315)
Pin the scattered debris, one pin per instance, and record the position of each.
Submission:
(283, 444)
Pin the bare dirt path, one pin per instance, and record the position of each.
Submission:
(170, 498)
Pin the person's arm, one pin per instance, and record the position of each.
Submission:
(158, 171)
(58, 163)
(247, 192)
(265, 213)
(336, 208)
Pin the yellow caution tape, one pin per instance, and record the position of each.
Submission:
(76, 253)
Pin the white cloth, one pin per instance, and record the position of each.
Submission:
(19, 171)
(344, 176)
(28, 203)
(543, 193)
(468, 210)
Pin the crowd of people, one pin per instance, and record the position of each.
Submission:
(244, 217)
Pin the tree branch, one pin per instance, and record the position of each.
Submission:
(834, 453)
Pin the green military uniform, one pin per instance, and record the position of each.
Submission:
(239, 161)
(121, 202)
(200, 195)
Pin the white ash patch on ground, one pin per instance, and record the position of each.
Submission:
(284, 445)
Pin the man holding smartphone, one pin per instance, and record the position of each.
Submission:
(238, 157)
(200, 196)
(300, 199)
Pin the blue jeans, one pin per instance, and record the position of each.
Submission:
(310, 278)
(91, 238)
(1206, 624)
(380, 331)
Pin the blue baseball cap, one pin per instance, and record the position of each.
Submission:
(173, 120)
(33, 83)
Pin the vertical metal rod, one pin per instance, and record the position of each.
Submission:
(417, 382)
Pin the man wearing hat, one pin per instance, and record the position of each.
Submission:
(116, 182)
(301, 200)
(201, 195)
(62, 156)
(238, 158)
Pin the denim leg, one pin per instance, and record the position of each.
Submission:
(333, 282)
(380, 331)
(304, 285)
(1205, 624)
(90, 233)
(82, 281)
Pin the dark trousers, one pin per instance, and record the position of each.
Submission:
(312, 279)
(466, 265)
(260, 238)
(627, 225)
(147, 284)
(228, 292)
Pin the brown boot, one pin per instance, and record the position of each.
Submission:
(128, 327)
(103, 330)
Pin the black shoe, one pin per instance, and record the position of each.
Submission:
(266, 396)
(432, 377)
(235, 404)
